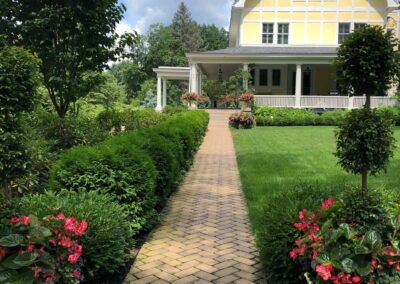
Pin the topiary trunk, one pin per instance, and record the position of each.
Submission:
(364, 182)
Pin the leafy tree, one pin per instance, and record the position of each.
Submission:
(71, 38)
(131, 75)
(185, 30)
(163, 49)
(19, 77)
(367, 63)
(108, 93)
(213, 38)
(365, 143)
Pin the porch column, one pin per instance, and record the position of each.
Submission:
(298, 85)
(164, 104)
(200, 83)
(159, 90)
(245, 81)
(193, 82)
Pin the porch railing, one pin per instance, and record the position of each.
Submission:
(332, 102)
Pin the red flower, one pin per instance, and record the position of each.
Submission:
(391, 262)
(53, 242)
(328, 203)
(36, 271)
(3, 252)
(324, 271)
(77, 274)
(356, 279)
(14, 220)
(60, 216)
(398, 267)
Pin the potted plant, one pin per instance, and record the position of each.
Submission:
(190, 99)
(247, 101)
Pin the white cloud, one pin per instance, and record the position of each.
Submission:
(123, 27)
(142, 13)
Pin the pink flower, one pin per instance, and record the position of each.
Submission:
(60, 216)
(66, 242)
(81, 228)
(356, 279)
(324, 271)
(391, 262)
(70, 224)
(328, 203)
(14, 220)
(73, 258)
(77, 274)
(53, 242)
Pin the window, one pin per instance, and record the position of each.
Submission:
(283, 33)
(344, 30)
(268, 33)
(263, 77)
(359, 25)
(276, 77)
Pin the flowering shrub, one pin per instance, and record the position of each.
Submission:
(242, 120)
(204, 102)
(190, 98)
(338, 252)
(232, 101)
(247, 100)
(45, 251)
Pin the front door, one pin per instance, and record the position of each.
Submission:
(306, 86)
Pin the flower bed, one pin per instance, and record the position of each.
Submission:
(42, 251)
(244, 120)
(336, 249)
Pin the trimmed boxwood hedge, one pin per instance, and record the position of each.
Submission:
(140, 169)
(271, 116)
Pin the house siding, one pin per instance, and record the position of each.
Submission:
(311, 22)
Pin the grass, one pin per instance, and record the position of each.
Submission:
(275, 159)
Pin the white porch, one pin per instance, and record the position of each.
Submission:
(169, 73)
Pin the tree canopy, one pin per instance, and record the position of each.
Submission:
(367, 63)
(71, 39)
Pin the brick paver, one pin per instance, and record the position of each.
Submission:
(205, 234)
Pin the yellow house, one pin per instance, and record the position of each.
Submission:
(288, 45)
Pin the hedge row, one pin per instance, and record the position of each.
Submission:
(140, 169)
(270, 116)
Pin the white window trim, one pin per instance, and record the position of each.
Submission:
(277, 32)
(352, 24)
(273, 32)
(275, 37)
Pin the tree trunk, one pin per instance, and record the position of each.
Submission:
(364, 182)
(368, 102)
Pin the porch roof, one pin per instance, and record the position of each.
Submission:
(277, 49)
(278, 54)
(173, 73)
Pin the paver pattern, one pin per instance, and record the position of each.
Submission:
(205, 234)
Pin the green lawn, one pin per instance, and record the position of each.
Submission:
(275, 159)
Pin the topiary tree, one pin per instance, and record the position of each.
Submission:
(367, 63)
(365, 143)
(18, 81)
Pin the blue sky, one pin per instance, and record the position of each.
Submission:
(141, 14)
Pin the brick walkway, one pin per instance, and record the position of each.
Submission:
(204, 236)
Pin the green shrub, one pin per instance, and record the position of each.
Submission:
(275, 241)
(367, 212)
(140, 169)
(162, 152)
(333, 117)
(129, 120)
(270, 116)
(171, 110)
(392, 113)
(107, 241)
(65, 133)
(125, 171)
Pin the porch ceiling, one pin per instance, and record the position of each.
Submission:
(212, 70)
